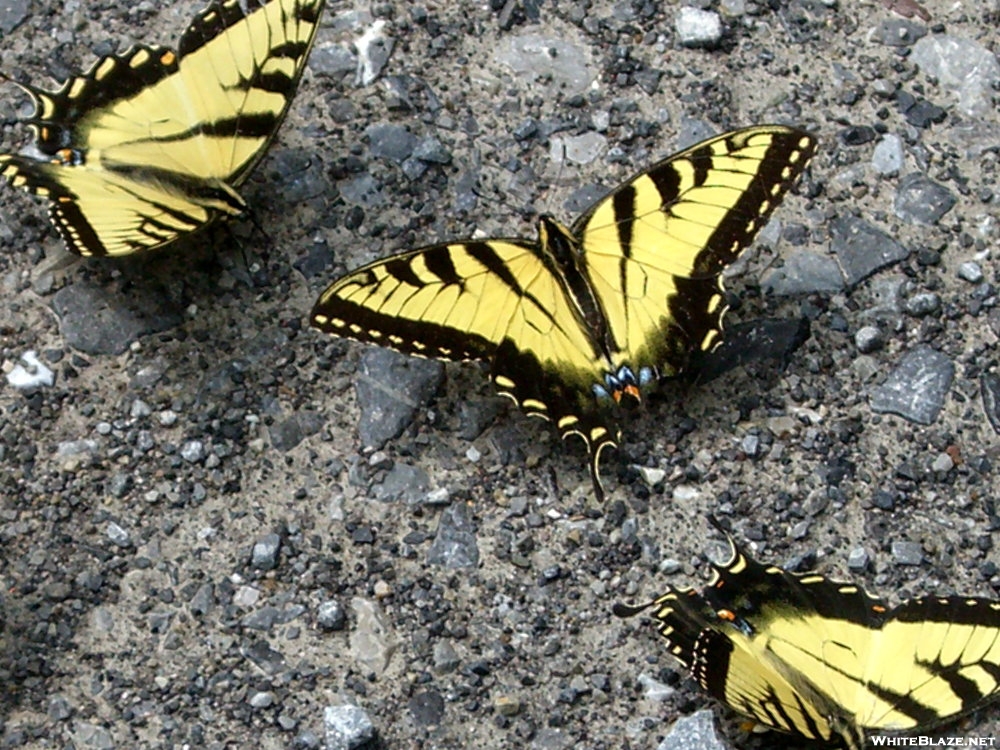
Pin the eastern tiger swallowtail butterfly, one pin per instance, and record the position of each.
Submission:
(824, 659)
(150, 145)
(584, 316)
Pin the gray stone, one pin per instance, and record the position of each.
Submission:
(12, 15)
(989, 387)
(861, 249)
(362, 191)
(907, 553)
(761, 339)
(262, 699)
(653, 689)
(445, 659)
(697, 28)
(858, 560)
(426, 708)
(923, 304)
(578, 149)
(403, 482)
(374, 50)
(942, 463)
(193, 451)
(92, 736)
(203, 600)
(371, 641)
(917, 387)
(391, 387)
(347, 727)
(920, 200)
(433, 151)
(333, 60)
(265, 552)
(966, 70)
(899, 32)
(98, 320)
(803, 272)
(389, 141)
(547, 59)
(970, 271)
(59, 708)
(455, 544)
(118, 535)
(330, 615)
(262, 619)
(869, 339)
(694, 732)
(888, 156)
(288, 433)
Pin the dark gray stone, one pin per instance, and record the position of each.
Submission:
(392, 142)
(920, 200)
(330, 615)
(899, 32)
(403, 482)
(288, 433)
(766, 338)
(12, 15)
(803, 272)
(861, 249)
(989, 385)
(917, 387)
(869, 339)
(391, 387)
(426, 708)
(907, 553)
(99, 320)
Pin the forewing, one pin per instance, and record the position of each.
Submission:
(230, 88)
(493, 300)
(655, 247)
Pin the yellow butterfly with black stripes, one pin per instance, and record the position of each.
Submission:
(585, 316)
(151, 145)
(824, 659)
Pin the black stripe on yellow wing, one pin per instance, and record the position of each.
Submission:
(498, 301)
(150, 145)
(817, 657)
(655, 248)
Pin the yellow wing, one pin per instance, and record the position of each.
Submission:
(824, 659)
(497, 301)
(594, 311)
(151, 145)
(656, 247)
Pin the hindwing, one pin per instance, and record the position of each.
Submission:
(824, 659)
(150, 145)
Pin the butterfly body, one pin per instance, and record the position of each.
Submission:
(151, 145)
(585, 316)
(824, 659)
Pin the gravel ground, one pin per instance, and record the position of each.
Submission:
(221, 529)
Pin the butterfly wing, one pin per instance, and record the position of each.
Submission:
(655, 248)
(823, 658)
(934, 659)
(494, 300)
(149, 145)
(731, 666)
